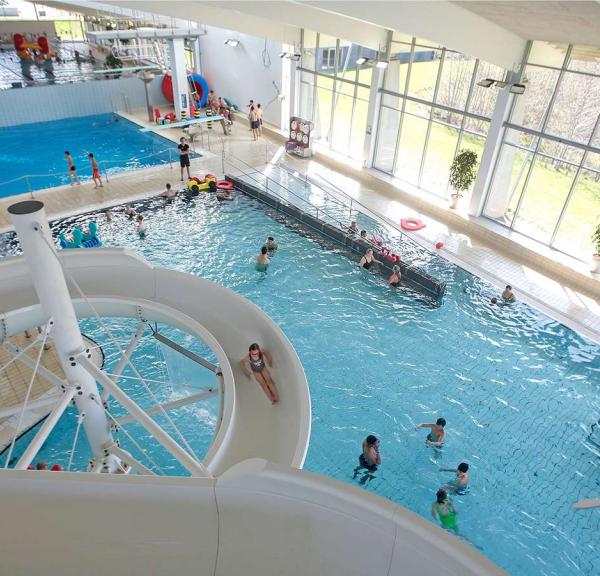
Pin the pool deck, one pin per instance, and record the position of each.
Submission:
(560, 287)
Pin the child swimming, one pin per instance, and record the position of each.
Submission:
(262, 260)
(461, 484)
(437, 434)
(443, 510)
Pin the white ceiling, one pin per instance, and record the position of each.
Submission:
(570, 22)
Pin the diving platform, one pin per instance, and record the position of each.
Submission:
(183, 123)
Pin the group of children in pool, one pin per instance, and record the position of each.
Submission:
(132, 215)
(442, 509)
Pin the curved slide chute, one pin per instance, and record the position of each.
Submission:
(258, 519)
(119, 283)
(199, 82)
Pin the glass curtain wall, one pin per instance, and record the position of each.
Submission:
(334, 91)
(431, 107)
(546, 182)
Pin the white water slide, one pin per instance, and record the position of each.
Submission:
(246, 509)
(116, 282)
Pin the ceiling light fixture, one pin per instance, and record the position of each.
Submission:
(382, 64)
(232, 42)
(485, 83)
(517, 88)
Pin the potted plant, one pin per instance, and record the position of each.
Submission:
(463, 172)
(596, 255)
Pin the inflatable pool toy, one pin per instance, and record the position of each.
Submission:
(80, 239)
(195, 184)
(412, 224)
(224, 185)
(199, 83)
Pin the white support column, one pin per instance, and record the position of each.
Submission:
(374, 105)
(191, 464)
(490, 151)
(181, 98)
(196, 51)
(43, 433)
(31, 224)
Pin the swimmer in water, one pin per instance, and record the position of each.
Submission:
(224, 195)
(262, 260)
(368, 259)
(508, 295)
(394, 279)
(129, 211)
(444, 512)
(353, 228)
(494, 301)
(271, 244)
(168, 193)
(369, 459)
(141, 226)
(461, 484)
(255, 364)
(363, 234)
(437, 434)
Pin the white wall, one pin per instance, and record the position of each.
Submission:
(45, 103)
(239, 73)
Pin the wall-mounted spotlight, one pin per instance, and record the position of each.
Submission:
(514, 88)
(232, 42)
(486, 82)
(364, 61)
(291, 56)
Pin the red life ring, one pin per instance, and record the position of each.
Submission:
(224, 185)
(411, 224)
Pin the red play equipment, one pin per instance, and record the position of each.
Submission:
(199, 83)
(22, 48)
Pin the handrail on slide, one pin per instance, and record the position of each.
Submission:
(118, 283)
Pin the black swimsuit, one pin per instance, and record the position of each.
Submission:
(367, 264)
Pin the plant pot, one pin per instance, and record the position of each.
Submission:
(595, 269)
(454, 200)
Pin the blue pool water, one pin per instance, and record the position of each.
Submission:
(519, 391)
(38, 149)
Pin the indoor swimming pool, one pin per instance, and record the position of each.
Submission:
(37, 150)
(519, 391)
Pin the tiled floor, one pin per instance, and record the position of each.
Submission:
(543, 284)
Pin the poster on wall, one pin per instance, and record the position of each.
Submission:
(300, 141)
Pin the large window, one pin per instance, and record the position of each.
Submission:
(546, 181)
(431, 107)
(334, 91)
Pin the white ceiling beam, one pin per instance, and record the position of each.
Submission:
(213, 15)
(301, 16)
(443, 22)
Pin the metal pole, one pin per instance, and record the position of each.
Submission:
(125, 358)
(12, 410)
(44, 431)
(31, 224)
(193, 466)
(173, 404)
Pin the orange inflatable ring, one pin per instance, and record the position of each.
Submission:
(411, 224)
(224, 185)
